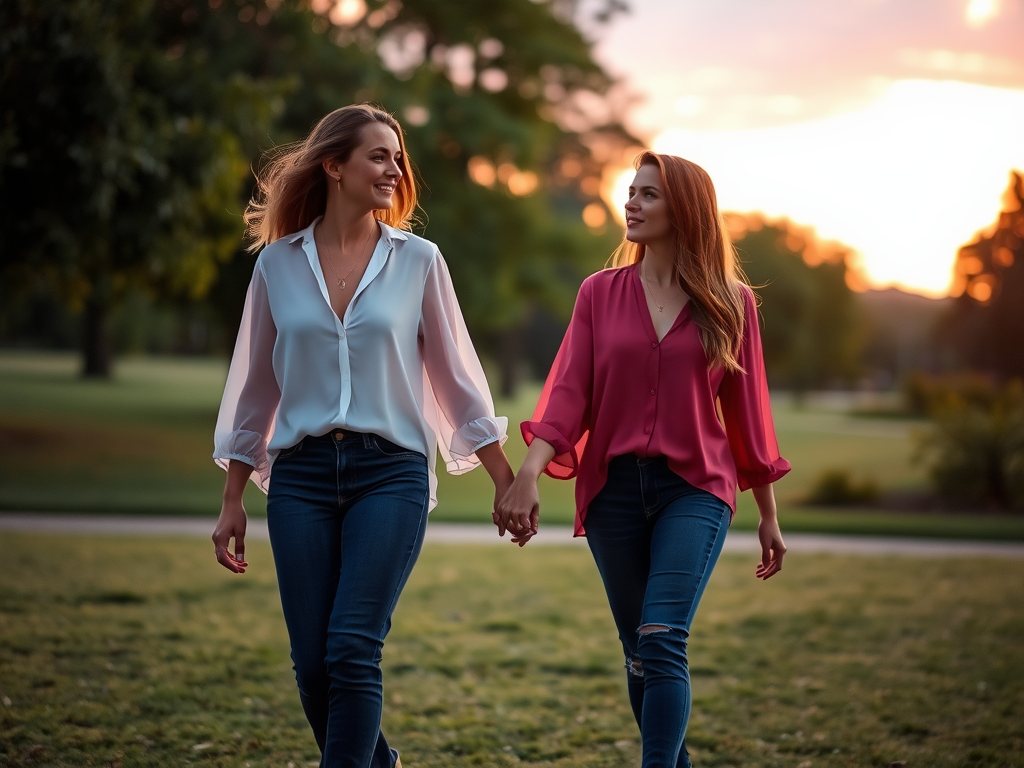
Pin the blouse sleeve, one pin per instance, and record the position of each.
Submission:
(248, 408)
(746, 410)
(458, 404)
(562, 416)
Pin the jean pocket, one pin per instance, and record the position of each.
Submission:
(393, 450)
(285, 453)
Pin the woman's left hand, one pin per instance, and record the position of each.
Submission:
(773, 548)
(501, 487)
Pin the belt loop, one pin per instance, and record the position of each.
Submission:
(367, 440)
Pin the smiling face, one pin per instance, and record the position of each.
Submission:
(647, 216)
(371, 174)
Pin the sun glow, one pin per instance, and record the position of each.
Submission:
(981, 12)
(904, 182)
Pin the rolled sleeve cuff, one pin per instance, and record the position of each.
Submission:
(249, 448)
(748, 480)
(566, 463)
(473, 436)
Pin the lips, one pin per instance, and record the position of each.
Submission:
(387, 189)
(632, 221)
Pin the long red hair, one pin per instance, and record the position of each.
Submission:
(292, 187)
(705, 259)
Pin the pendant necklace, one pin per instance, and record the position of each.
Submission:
(650, 291)
(343, 281)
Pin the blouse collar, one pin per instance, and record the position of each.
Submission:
(388, 234)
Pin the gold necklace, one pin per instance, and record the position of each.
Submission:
(343, 281)
(650, 291)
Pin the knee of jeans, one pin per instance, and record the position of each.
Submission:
(310, 676)
(634, 666)
(658, 644)
(353, 655)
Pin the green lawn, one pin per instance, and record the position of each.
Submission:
(141, 444)
(144, 652)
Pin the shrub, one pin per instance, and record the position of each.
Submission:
(835, 487)
(975, 450)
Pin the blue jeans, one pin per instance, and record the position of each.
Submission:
(347, 512)
(655, 539)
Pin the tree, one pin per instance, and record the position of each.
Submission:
(120, 157)
(985, 325)
(511, 124)
(164, 103)
(812, 331)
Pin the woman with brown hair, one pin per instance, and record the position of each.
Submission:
(352, 367)
(657, 404)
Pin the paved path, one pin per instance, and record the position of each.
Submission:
(453, 533)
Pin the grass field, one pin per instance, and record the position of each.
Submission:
(125, 652)
(141, 444)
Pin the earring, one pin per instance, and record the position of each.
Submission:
(339, 183)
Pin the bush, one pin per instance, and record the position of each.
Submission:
(835, 487)
(975, 450)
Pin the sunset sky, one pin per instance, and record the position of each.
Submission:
(889, 125)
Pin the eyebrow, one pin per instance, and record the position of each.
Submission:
(643, 189)
(384, 149)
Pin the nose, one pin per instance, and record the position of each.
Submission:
(394, 170)
(631, 205)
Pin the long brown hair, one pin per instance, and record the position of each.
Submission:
(705, 260)
(292, 186)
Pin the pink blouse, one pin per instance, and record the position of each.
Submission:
(615, 389)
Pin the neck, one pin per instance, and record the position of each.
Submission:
(345, 226)
(659, 264)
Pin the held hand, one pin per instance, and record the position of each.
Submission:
(231, 525)
(519, 509)
(773, 549)
(500, 489)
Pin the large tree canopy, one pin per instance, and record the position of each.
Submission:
(985, 325)
(129, 128)
(812, 333)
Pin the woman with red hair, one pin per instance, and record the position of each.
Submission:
(657, 404)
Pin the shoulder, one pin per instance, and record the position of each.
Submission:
(410, 246)
(280, 249)
(750, 300)
(607, 281)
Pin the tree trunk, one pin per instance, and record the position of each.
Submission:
(509, 360)
(97, 352)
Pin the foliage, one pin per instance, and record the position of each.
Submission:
(835, 487)
(985, 325)
(501, 657)
(975, 451)
(164, 103)
(812, 330)
(120, 158)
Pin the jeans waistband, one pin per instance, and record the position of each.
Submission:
(341, 436)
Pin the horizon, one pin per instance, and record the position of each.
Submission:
(891, 128)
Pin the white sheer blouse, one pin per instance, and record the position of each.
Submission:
(400, 364)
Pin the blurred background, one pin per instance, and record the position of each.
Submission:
(867, 155)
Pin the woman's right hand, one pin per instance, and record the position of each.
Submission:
(520, 508)
(232, 520)
(231, 525)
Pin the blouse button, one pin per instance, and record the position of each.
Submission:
(652, 391)
(654, 344)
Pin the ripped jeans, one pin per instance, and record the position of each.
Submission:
(655, 539)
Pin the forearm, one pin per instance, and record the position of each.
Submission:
(496, 463)
(764, 495)
(238, 475)
(539, 455)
